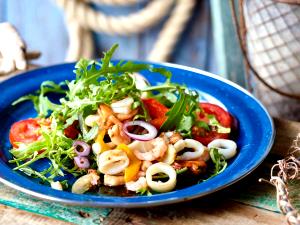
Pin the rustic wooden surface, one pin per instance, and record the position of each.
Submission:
(210, 212)
(214, 209)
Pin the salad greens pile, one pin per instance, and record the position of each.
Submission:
(96, 82)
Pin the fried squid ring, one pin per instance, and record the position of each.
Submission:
(160, 186)
(225, 147)
(189, 143)
(112, 162)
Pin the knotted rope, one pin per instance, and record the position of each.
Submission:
(81, 18)
(281, 173)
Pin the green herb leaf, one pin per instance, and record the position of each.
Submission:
(182, 116)
(218, 160)
(203, 125)
(41, 102)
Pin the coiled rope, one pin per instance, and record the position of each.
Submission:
(81, 19)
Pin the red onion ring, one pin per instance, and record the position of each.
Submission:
(86, 149)
(152, 132)
(82, 162)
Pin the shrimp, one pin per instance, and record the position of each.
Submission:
(140, 184)
(149, 150)
(117, 135)
(84, 183)
(112, 181)
(123, 116)
(145, 165)
(107, 117)
(123, 106)
(172, 137)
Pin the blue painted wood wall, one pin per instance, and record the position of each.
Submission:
(41, 24)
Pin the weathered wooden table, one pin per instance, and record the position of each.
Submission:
(246, 202)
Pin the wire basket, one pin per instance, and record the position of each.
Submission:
(269, 33)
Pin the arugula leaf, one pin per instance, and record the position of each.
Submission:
(144, 191)
(182, 116)
(166, 97)
(41, 103)
(175, 113)
(164, 72)
(203, 125)
(218, 160)
(35, 174)
(92, 134)
(185, 124)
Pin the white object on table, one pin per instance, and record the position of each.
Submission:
(12, 50)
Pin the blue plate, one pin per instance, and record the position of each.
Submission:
(255, 135)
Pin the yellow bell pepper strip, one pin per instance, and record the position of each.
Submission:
(130, 173)
(100, 140)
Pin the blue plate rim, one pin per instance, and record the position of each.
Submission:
(158, 202)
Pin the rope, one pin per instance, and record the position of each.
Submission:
(80, 42)
(120, 25)
(79, 15)
(114, 2)
(172, 30)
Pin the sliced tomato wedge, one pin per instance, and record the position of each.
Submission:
(157, 111)
(155, 108)
(24, 131)
(223, 117)
(72, 131)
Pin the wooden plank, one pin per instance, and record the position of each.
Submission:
(13, 198)
(287, 131)
(208, 212)
(12, 216)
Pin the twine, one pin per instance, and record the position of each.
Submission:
(283, 171)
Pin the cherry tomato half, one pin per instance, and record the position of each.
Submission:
(157, 111)
(24, 131)
(222, 116)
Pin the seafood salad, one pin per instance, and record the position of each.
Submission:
(110, 129)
